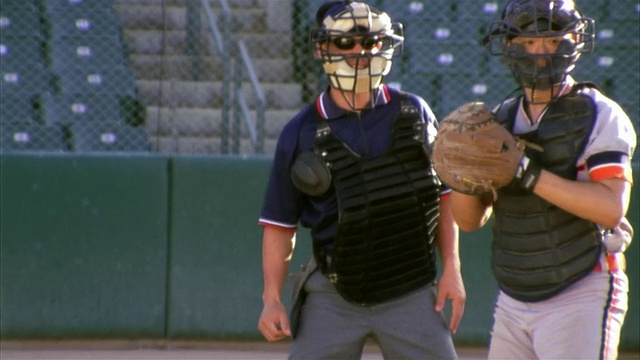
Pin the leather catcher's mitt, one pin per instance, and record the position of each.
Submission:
(473, 153)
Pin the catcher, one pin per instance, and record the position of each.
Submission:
(559, 229)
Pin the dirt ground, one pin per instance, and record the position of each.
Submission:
(165, 350)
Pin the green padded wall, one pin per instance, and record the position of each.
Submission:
(215, 280)
(154, 247)
(84, 246)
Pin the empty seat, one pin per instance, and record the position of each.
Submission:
(98, 22)
(618, 34)
(75, 108)
(413, 11)
(20, 18)
(86, 52)
(16, 51)
(446, 33)
(112, 80)
(99, 137)
(604, 63)
(457, 90)
(25, 80)
(593, 9)
(446, 59)
(623, 10)
(79, 6)
(16, 108)
(31, 137)
(476, 10)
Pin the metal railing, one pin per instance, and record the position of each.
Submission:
(242, 67)
(222, 41)
(255, 126)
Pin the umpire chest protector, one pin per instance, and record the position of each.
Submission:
(388, 209)
(540, 249)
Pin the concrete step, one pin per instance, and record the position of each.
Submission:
(206, 121)
(156, 17)
(208, 94)
(181, 67)
(213, 3)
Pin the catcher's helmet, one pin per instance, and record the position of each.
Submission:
(541, 19)
(343, 25)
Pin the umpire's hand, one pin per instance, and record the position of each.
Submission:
(274, 322)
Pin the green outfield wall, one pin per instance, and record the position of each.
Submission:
(153, 247)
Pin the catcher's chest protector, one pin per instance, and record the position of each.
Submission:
(540, 249)
(388, 212)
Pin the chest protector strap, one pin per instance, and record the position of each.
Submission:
(540, 249)
(388, 208)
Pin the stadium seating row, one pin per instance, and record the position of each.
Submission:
(64, 70)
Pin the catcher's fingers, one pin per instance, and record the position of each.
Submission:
(274, 323)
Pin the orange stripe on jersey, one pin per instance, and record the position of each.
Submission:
(611, 171)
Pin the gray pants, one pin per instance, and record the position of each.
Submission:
(405, 328)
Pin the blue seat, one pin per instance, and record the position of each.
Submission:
(20, 18)
(23, 136)
(107, 137)
(445, 59)
(86, 52)
(76, 108)
(457, 90)
(17, 108)
(618, 34)
(24, 80)
(477, 10)
(106, 80)
(78, 6)
(16, 51)
(445, 33)
(85, 21)
(623, 10)
(604, 63)
(414, 11)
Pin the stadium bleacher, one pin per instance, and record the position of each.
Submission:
(64, 69)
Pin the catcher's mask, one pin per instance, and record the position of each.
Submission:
(541, 19)
(345, 26)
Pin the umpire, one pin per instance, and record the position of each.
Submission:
(353, 167)
(559, 230)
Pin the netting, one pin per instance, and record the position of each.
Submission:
(168, 76)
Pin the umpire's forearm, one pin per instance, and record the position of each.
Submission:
(277, 249)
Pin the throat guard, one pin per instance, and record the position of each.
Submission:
(388, 209)
(540, 249)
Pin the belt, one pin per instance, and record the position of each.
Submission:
(611, 262)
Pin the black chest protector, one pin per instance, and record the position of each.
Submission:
(388, 209)
(540, 249)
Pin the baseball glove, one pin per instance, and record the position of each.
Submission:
(473, 153)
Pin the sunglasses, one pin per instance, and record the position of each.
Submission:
(349, 42)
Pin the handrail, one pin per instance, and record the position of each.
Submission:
(255, 127)
(222, 42)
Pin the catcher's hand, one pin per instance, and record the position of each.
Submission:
(474, 154)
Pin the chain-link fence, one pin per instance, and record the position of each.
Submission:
(224, 76)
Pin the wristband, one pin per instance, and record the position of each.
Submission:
(527, 174)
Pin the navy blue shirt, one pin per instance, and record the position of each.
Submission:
(367, 134)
